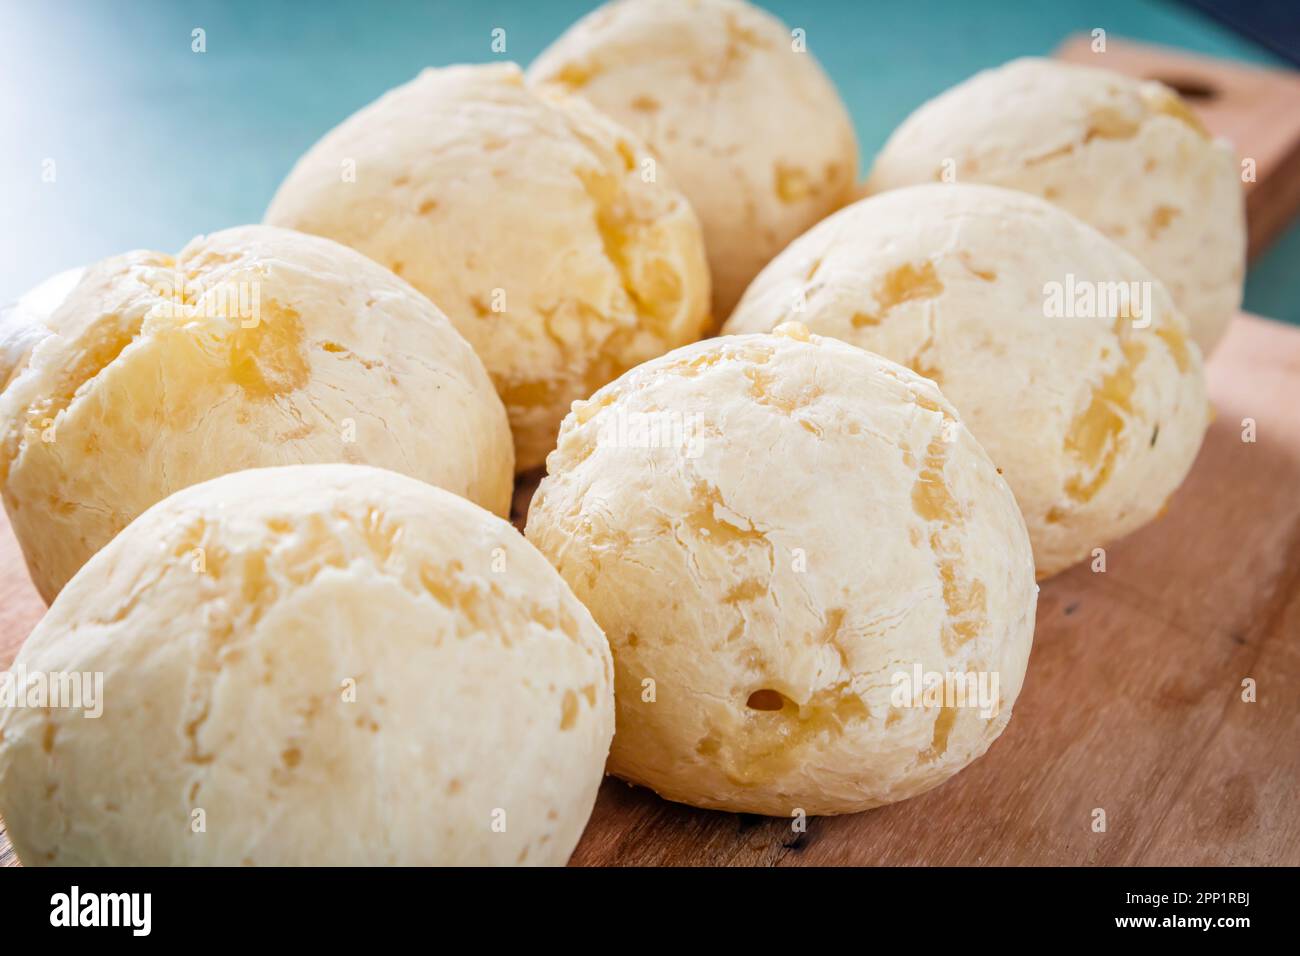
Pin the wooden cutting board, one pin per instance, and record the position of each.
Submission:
(1132, 703)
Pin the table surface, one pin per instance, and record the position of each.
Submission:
(1132, 703)
(153, 143)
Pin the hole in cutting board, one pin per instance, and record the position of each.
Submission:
(1188, 88)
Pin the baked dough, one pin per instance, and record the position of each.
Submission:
(534, 222)
(254, 346)
(1127, 157)
(742, 114)
(25, 322)
(825, 524)
(312, 665)
(1094, 418)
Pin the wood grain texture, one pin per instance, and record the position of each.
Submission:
(1132, 702)
(1255, 109)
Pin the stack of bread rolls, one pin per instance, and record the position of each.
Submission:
(803, 454)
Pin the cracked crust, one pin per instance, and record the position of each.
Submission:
(153, 373)
(832, 524)
(358, 670)
(751, 129)
(526, 217)
(1127, 157)
(951, 280)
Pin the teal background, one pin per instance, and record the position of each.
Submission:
(154, 144)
